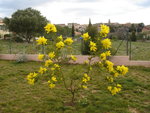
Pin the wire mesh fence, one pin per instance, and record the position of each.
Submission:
(11, 47)
(139, 50)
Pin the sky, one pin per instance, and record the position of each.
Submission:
(79, 11)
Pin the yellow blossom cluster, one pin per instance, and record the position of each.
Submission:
(51, 55)
(104, 30)
(85, 79)
(122, 70)
(42, 70)
(60, 38)
(110, 79)
(104, 55)
(41, 56)
(68, 41)
(52, 82)
(93, 46)
(108, 53)
(60, 45)
(86, 62)
(106, 43)
(114, 90)
(57, 66)
(48, 62)
(73, 58)
(31, 78)
(41, 41)
(115, 73)
(86, 36)
(50, 28)
(109, 65)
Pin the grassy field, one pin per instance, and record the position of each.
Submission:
(29, 48)
(140, 50)
(16, 96)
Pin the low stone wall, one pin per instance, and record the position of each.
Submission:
(117, 60)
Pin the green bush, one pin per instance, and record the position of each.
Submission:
(93, 33)
(17, 39)
(85, 49)
(7, 35)
(133, 36)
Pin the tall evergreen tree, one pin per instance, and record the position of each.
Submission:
(73, 32)
(90, 24)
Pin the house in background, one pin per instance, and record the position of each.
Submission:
(3, 29)
(146, 32)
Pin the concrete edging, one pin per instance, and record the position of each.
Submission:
(117, 60)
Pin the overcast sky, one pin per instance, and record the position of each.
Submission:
(79, 11)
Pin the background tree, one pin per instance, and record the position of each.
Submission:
(26, 23)
(73, 33)
(140, 27)
(133, 33)
(64, 31)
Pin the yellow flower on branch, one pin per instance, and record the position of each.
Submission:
(110, 79)
(41, 41)
(108, 53)
(84, 80)
(109, 66)
(104, 30)
(60, 45)
(51, 55)
(60, 38)
(54, 79)
(84, 87)
(48, 62)
(86, 36)
(51, 85)
(50, 28)
(42, 70)
(68, 41)
(92, 46)
(87, 77)
(31, 78)
(114, 90)
(109, 88)
(56, 65)
(122, 69)
(118, 85)
(52, 69)
(31, 81)
(103, 56)
(86, 62)
(115, 74)
(106, 43)
(40, 56)
(73, 58)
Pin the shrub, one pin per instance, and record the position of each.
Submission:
(79, 78)
(18, 39)
(21, 58)
(133, 36)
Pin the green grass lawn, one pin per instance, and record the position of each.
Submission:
(16, 96)
(140, 50)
